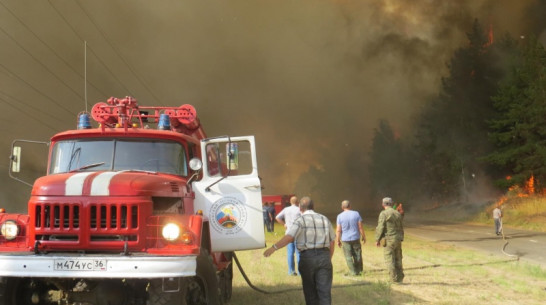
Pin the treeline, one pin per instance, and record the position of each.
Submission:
(487, 126)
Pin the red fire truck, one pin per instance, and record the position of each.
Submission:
(142, 208)
(278, 201)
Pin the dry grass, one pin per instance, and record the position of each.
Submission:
(527, 213)
(435, 274)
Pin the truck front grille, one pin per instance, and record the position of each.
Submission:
(102, 216)
(53, 216)
(117, 216)
(88, 224)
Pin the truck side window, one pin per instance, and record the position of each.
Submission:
(229, 158)
(241, 161)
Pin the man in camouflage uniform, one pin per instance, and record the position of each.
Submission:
(389, 227)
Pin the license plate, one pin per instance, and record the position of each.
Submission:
(80, 264)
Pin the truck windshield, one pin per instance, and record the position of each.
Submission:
(118, 154)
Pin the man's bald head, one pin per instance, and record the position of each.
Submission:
(306, 203)
(294, 200)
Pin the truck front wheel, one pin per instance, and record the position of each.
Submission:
(23, 291)
(203, 289)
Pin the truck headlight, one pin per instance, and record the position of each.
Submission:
(171, 232)
(9, 229)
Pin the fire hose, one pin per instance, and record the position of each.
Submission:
(254, 287)
(278, 291)
(505, 242)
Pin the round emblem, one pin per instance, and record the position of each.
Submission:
(229, 215)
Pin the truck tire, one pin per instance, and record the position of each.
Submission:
(3, 291)
(204, 289)
(21, 291)
(156, 295)
(201, 289)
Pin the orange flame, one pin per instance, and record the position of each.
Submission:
(530, 186)
(523, 191)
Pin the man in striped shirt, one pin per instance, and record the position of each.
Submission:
(314, 237)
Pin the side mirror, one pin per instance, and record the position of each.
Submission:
(232, 155)
(195, 165)
(32, 153)
(16, 159)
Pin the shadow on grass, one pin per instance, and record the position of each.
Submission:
(480, 239)
(447, 266)
(358, 293)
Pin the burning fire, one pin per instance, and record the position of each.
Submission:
(516, 191)
(526, 190)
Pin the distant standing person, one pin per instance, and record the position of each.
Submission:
(265, 212)
(271, 214)
(399, 207)
(497, 217)
(389, 227)
(286, 218)
(348, 234)
(315, 238)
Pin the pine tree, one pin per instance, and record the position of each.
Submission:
(519, 127)
(385, 167)
(452, 130)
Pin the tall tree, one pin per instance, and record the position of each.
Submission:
(452, 130)
(386, 166)
(519, 127)
(438, 173)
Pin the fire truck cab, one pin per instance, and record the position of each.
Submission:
(130, 214)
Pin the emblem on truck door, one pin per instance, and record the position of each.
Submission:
(229, 215)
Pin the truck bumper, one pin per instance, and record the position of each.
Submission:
(96, 266)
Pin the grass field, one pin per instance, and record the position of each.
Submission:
(435, 274)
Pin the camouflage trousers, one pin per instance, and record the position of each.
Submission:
(393, 259)
(353, 255)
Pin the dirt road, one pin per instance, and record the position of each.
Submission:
(527, 245)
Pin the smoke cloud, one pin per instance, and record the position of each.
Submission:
(310, 79)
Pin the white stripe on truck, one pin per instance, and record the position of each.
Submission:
(74, 184)
(101, 184)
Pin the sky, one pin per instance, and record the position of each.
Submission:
(310, 79)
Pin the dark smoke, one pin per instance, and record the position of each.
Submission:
(310, 79)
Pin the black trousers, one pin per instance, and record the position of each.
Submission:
(316, 273)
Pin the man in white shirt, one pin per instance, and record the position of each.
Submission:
(286, 218)
(497, 217)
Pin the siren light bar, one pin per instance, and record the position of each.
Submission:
(124, 111)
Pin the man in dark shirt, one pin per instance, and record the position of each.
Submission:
(271, 214)
(265, 211)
